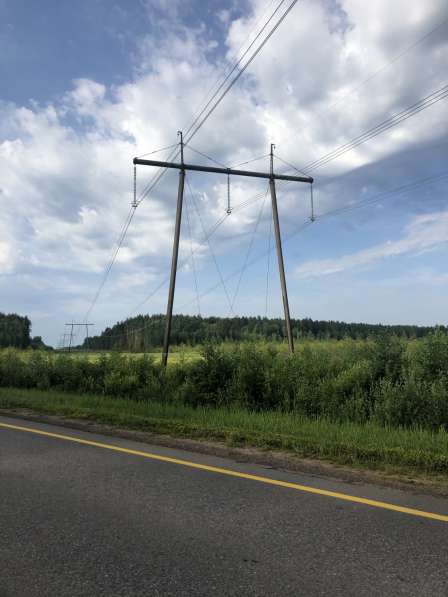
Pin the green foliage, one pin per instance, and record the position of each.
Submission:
(145, 332)
(386, 380)
(14, 331)
(407, 451)
(431, 356)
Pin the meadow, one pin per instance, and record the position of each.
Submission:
(383, 400)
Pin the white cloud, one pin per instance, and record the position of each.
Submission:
(424, 233)
(65, 167)
(309, 64)
(6, 258)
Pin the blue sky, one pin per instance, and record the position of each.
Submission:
(88, 85)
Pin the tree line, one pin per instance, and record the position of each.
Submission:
(15, 331)
(145, 332)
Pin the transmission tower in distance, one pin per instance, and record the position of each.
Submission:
(72, 335)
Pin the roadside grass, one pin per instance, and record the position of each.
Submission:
(405, 451)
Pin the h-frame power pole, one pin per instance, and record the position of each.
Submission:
(272, 177)
(71, 333)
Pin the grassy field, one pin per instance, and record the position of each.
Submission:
(190, 353)
(405, 451)
(379, 403)
(177, 355)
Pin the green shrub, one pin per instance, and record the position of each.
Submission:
(411, 402)
(382, 380)
(430, 358)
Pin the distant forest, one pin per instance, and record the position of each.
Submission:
(146, 331)
(15, 331)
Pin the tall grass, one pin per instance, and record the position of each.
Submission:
(385, 381)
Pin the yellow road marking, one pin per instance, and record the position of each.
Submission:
(232, 473)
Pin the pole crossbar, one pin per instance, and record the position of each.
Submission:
(228, 171)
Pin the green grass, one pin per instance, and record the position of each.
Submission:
(394, 450)
(177, 354)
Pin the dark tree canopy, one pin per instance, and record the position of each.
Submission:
(145, 332)
(14, 330)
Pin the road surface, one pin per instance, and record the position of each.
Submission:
(116, 517)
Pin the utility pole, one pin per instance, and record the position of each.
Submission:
(71, 334)
(169, 309)
(278, 245)
(183, 167)
(62, 340)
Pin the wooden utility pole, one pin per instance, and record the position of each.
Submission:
(278, 245)
(71, 334)
(169, 309)
(272, 177)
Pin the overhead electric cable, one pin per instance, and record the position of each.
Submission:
(224, 71)
(158, 150)
(350, 207)
(268, 268)
(306, 224)
(375, 198)
(111, 261)
(190, 135)
(249, 248)
(218, 269)
(193, 261)
(165, 281)
(197, 124)
(277, 157)
(234, 68)
(328, 158)
(398, 118)
(383, 67)
(260, 157)
(204, 155)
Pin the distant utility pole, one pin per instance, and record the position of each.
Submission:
(272, 177)
(71, 334)
(62, 340)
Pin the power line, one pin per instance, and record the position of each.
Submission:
(234, 68)
(383, 126)
(241, 71)
(158, 150)
(204, 155)
(249, 248)
(260, 157)
(384, 67)
(268, 268)
(209, 234)
(161, 173)
(111, 261)
(395, 120)
(198, 122)
(396, 191)
(225, 70)
(306, 224)
(193, 261)
(218, 269)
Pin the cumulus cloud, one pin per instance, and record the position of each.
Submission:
(65, 167)
(424, 233)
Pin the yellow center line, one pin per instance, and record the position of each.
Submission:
(233, 473)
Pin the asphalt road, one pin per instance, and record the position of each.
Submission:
(81, 520)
